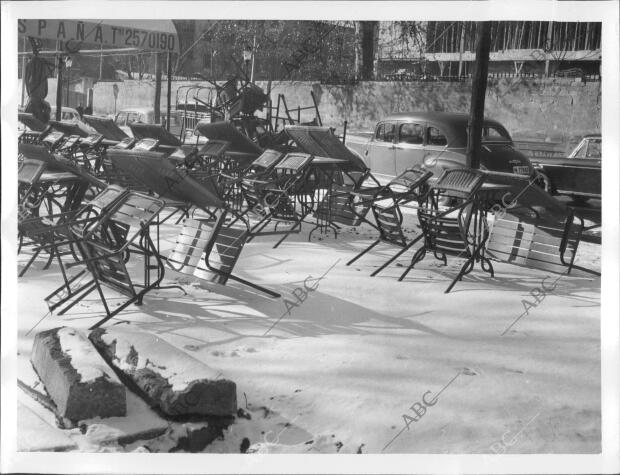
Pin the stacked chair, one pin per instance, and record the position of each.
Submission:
(272, 197)
(453, 223)
(385, 203)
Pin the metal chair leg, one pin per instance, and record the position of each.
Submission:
(364, 252)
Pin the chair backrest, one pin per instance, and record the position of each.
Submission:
(459, 182)
(222, 252)
(322, 142)
(389, 222)
(411, 178)
(190, 245)
(340, 207)
(105, 127)
(267, 160)
(127, 219)
(107, 267)
(30, 171)
(294, 162)
(546, 246)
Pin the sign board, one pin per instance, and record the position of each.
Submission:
(75, 33)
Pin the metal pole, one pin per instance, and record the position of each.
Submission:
(478, 93)
(23, 71)
(59, 63)
(157, 100)
(101, 63)
(68, 84)
(253, 54)
(169, 98)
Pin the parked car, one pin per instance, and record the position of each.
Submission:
(144, 115)
(436, 141)
(578, 175)
(67, 114)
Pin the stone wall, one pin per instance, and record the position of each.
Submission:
(557, 110)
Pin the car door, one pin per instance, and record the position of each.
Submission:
(409, 149)
(578, 174)
(435, 144)
(381, 150)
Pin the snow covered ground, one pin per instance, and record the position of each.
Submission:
(338, 371)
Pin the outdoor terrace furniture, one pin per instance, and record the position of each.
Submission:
(385, 203)
(106, 127)
(227, 132)
(224, 243)
(210, 251)
(153, 171)
(458, 228)
(349, 204)
(104, 247)
(153, 131)
(532, 228)
(34, 125)
(62, 183)
(28, 174)
(546, 246)
(55, 232)
(68, 128)
(272, 198)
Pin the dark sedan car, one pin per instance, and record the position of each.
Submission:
(578, 175)
(436, 140)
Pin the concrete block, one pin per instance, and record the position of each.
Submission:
(167, 377)
(75, 376)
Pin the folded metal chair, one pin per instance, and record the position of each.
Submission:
(210, 251)
(459, 229)
(349, 204)
(57, 234)
(272, 198)
(105, 246)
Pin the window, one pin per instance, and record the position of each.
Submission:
(411, 133)
(385, 132)
(492, 134)
(121, 117)
(435, 137)
(134, 117)
(594, 149)
(589, 149)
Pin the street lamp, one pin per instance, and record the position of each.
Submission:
(247, 57)
(68, 64)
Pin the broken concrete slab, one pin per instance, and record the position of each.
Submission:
(75, 376)
(141, 423)
(37, 435)
(168, 378)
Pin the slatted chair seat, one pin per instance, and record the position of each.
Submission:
(459, 230)
(547, 247)
(210, 250)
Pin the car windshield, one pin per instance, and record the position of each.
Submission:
(589, 149)
(120, 118)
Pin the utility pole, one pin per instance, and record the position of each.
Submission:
(253, 56)
(478, 93)
(157, 101)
